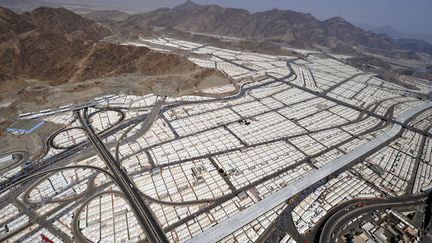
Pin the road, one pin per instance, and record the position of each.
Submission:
(325, 92)
(338, 221)
(143, 213)
(78, 235)
(345, 104)
(145, 126)
(149, 118)
(237, 221)
(40, 165)
(22, 156)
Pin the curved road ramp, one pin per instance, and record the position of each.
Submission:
(237, 221)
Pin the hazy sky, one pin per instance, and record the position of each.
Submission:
(405, 15)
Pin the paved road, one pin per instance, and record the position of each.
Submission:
(230, 225)
(22, 157)
(143, 213)
(343, 82)
(339, 220)
(69, 153)
(167, 107)
(343, 103)
(145, 126)
(78, 235)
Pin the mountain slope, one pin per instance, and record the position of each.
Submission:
(60, 46)
(65, 22)
(107, 15)
(288, 27)
(12, 24)
(415, 45)
(51, 57)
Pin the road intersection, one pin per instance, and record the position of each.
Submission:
(206, 167)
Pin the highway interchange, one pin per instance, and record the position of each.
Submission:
(150, 225)
(340, 220)
(386, 128)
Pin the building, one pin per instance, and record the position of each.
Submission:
(25, 126)
(6, 159)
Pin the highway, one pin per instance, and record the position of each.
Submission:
(237, 221)
(271, 92)
(145, 126)
(135, 197)
(337, 222)
(143, 213)
(343, 82)
(21, 156)
(40, 165)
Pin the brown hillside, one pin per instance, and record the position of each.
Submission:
(11, 24)
(47, 60)
(65, 22)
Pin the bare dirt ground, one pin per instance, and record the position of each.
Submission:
(36, 95)
(33, 143)
(33, 95)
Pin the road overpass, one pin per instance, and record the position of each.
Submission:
(237, 221)
(143, 213)
(336, 222)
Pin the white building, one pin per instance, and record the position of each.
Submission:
(5, 159)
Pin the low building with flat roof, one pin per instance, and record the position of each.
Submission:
(5, 159)
(25, 126)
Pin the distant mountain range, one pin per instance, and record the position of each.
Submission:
(29, 5)
(413, 42)
(395, 34)
(280, 26)
(107, 15)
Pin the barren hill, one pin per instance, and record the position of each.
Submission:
(43, 45)
(58, 46)
(284, 26)
(55, 57)
(65, 22)
(107, 15)
(12, 24)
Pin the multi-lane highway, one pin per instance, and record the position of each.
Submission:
(139, 200)
(230, 225)
(143, 213)
(145, 126)
(338, 221)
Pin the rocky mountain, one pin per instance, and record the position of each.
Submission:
(65, 22)
(345, 32)
(107, 15)
(44, 43)
(12, 24)
(26, 5)
(415, 45)
(59, 46)
(287, 27)
(53, 57)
